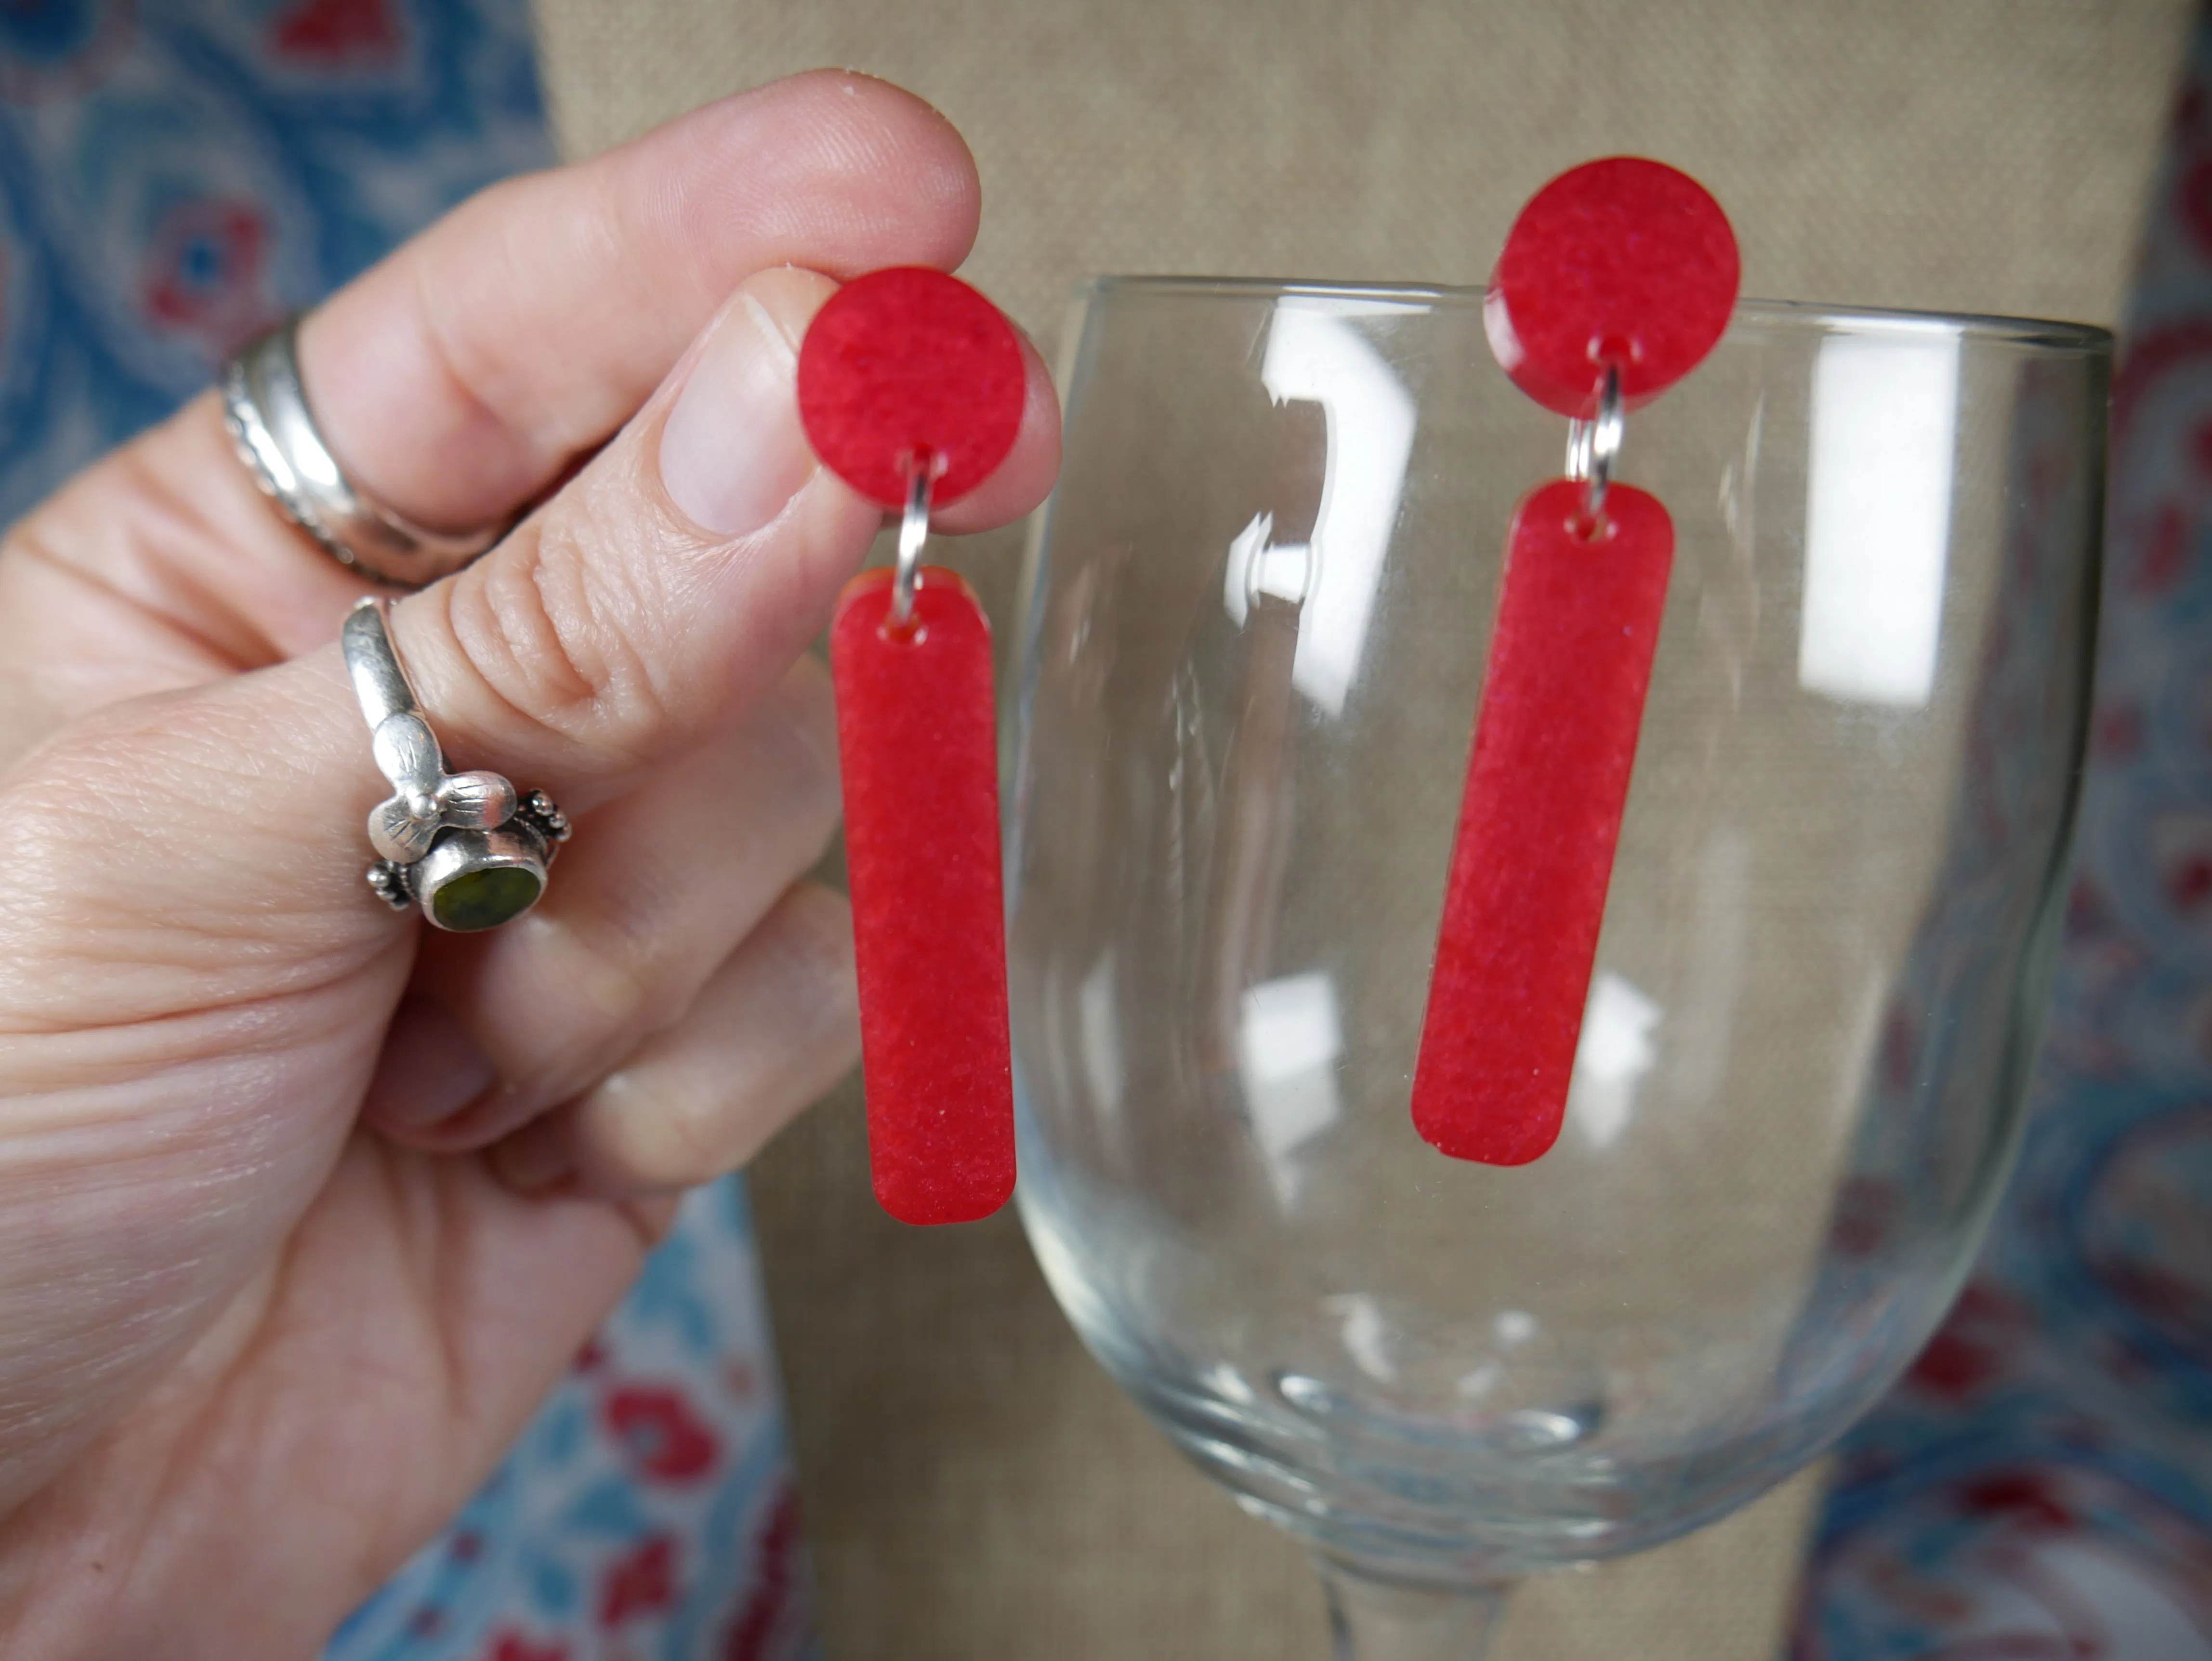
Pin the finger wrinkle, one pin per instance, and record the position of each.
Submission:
(127, 528)
(665, 1132)
(815, 935)
(486, 639)
(506, 616)
(646, 681)
(96, 591)
(98, 929)
(597, 951)
(269, 1027)
(614, 988)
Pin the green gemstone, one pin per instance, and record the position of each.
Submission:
(486, 898)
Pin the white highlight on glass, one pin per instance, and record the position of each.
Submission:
(1614, 1053)
(1258, 565)
(1475, 1385)
(1878, 514)
(1315, 352)
(1099, 1018)
(1514, 1326)
(1224, 1381)
(1288, 1043)
(1364, 1334)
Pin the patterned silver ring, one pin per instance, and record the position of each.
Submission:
(461, 846)
(265, 409)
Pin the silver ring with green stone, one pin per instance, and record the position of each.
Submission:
(463, 847)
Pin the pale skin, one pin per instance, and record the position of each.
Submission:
(301, 1211)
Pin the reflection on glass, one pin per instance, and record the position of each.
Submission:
(1102, 1038)
(1878, 514)
(1287, 1046)
(1314, 354)
(1365, 1333)
(1261, 569)
(1614, 1054)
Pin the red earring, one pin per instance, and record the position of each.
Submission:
(1616, 282)
(911, 387)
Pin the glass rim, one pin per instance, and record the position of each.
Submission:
(2051, 334)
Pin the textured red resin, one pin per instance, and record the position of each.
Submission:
(918, 742)
(1562, 700)
(1623, 259)
(906, 362)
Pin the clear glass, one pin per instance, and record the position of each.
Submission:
(1254, 632)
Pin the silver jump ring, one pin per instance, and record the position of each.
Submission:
(265, 409)
(922, 472)
(1593, 445)
(461, 846)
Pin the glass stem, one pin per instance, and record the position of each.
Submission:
(1377, 1620)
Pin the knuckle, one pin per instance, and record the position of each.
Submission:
(697, 1105)
(645, 1134)
(817, 925)
(550, 635)
(615, 967)
(811, 935)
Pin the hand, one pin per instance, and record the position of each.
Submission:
(301, 1212)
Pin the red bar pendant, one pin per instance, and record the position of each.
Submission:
(1563, 699)
(918, 742)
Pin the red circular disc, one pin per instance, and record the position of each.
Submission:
(1622, 260)
(905, 361)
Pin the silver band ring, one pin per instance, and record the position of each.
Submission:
(461, 846)
(265, 409)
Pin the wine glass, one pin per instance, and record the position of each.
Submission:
(1256, 615)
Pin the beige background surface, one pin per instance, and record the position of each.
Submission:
(975, 1488)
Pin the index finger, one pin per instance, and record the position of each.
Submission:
(458, 379)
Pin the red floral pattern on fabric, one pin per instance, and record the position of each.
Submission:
(514, 1646)
(2040, 1484)
(341, 32)
(664, 1436)
(639, 1583)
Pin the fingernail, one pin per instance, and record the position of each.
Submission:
(533, 1160)
(732, 453)
(430, 1070)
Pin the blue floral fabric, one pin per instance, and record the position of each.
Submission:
(174, 176)
(647, 1512)
(2039, 1488)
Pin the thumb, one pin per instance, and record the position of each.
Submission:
(673, 582)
